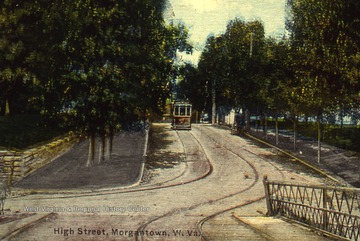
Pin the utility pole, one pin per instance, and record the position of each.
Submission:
(251, 44)
(247, 111)
(213, 93)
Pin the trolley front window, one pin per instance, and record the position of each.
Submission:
(182, 110)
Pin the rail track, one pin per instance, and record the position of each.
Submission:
(230, 145)
(181, 179)
(257, 177)
(191, 142)
(192, 148)
(248, 188)
(230, 142)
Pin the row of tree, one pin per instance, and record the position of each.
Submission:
(106, 60)
(312, 71)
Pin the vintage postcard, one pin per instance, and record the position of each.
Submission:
(179, 120)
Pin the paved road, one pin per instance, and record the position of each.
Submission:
(219, 175)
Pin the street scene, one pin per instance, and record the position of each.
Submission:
(214, 178)
(179, 120)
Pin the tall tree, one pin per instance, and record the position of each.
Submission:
(234, 64)
(324, 39)
(277, 73)
(111, 59)
(211, 69)
(15, 79)
(112, 56)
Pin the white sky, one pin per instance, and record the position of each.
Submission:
(204, 17)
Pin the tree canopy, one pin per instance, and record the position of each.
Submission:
(324, 39)
(313, 70)
(109, 61)
(99, 54)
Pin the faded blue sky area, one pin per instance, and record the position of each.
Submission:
(204, 17)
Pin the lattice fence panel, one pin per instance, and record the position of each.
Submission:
(333, 209)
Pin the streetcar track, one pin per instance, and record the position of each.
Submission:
(142, 227)
(159, 185)
(143, 189)
(151, 187)
(201, 222)
(13, 233)
(187, 162)
(156, 186)
(184, 161)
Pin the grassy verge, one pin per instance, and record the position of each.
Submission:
(21, 131)
(346, 137)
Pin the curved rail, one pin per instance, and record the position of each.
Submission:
(201, 222)
(155, 186)
(167, 185)
(143, 226)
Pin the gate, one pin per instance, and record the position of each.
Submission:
(332, 209)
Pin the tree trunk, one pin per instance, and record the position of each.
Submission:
(102, 149)
(247, 119)
(277, 131)
(91, 151)
(319, 139)
(295, 132)
(110, 144)
(341, 118)
(265, 125)
(213, 114)
(7, 106)
(257, 119)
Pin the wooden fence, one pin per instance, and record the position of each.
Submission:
(332, 209)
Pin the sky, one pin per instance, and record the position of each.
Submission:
(205, 17)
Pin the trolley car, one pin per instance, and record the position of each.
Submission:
(181, 115)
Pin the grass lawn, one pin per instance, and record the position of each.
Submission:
(346, 137)
(21, 131)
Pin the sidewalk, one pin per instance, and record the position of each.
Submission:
(69, 171)
(335, 161)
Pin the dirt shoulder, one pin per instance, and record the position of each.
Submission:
(69, 171)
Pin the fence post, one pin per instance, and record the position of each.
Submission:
(267, 196)
(325, 214)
